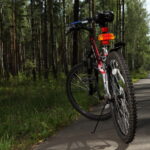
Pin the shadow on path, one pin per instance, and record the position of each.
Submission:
(78, 137)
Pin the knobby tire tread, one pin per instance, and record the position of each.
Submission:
(131, 97)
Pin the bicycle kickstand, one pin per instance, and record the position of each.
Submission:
(97, 123)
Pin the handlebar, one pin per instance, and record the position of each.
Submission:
(78, 25)
(81, 22)
(101, 18)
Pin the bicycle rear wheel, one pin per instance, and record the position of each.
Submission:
(83, 90)
(123, 104)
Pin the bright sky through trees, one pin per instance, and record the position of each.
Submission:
(147, 6)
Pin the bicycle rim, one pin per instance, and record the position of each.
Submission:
(85, 93)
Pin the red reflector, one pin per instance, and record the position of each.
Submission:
(105, 42)
(104, 29)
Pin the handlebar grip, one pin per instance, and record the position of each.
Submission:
(82, 22)
(77, 25)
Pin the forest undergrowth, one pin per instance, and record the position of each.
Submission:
(32, 111)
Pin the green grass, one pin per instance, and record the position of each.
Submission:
(30, 112)
(139, 74)
(5, 143)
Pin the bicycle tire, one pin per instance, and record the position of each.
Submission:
(126, 102)
(75, 103)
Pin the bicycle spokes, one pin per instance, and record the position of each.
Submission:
(119, 91)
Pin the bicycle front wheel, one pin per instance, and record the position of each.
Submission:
(123, 103)
(84, 91)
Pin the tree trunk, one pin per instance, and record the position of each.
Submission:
(13, 40)
(45, 41)
(1, 43)
(52, 42)
(90, 9)
(93, 15)
(64, 39)
(75, 34)
(40, 42)
(32, 41)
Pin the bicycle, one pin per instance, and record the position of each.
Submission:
(108, 69)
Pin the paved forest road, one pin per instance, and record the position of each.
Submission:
(78, 136)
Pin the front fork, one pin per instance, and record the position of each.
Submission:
(103, 70)
(106, 86)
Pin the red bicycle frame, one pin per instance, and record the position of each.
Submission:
(105, 37)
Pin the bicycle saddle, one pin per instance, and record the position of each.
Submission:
(104, 17)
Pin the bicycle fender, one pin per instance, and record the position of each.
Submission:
(118, 46)
(115, 49)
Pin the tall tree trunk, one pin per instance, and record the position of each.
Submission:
(75, 34)
(13, 40)
(90, 9)
(93, 15)
(40, 42)
(64, 39)
(45, 41)
(1, 43)
(33, 38)
(93, 8)
(123, 27)
(39, 48)
(52, 41)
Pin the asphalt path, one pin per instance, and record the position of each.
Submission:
(78, 135)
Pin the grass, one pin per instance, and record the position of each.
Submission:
(30, 112)
(139, 74)
(5, 143)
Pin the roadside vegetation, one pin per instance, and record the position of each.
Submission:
(31, 111)
(139, 74)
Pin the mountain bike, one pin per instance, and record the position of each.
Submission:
(100, 86)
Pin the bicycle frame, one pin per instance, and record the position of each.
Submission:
(101, 64)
